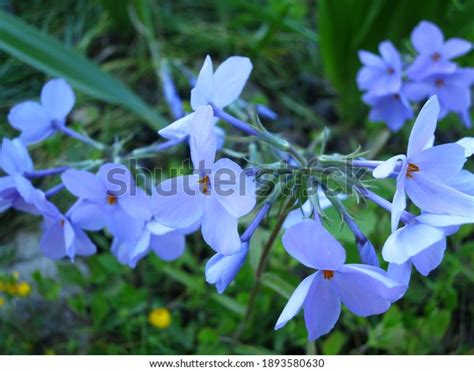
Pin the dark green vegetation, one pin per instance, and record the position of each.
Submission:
(304, 56)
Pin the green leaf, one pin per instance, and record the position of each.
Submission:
(46, 54)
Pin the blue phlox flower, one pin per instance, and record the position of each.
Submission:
(167, 243)
(435, 54)
(453, 91)
(364, 290)
(380, 75)
(38, 121)
(17, 192)
(15, 162)
(393, 109)
(217, 194)
(425, 172)
(61, 237)
(109, 198)
(219, 88)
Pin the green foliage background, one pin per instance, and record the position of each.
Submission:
(305, 59)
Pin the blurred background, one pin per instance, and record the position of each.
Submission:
(305, 61)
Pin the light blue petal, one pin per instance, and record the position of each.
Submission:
(203, 142)
(229, 80)
(233, 188)
(219, 228)
(430, 258)
(169, 246)
(322, 308)
(32, 120)
(312, 245)
(364, 291)
(83, 246)
(442, 162)
(387, 167)
(137, 204)
(87, 215)
(427, 37)
(455, 47)
(14, 157)
(178, 129)
(222, 269)
(463, 182)
(468, 144)
(298, 215)
(84, 184)
(58, 98)
(410, 240)
(433, 196)
(180, 202)
(399, 202)
(367, 254)
(423, 130)
(296, 301)
(444, 220)
(400, 272)
(53, 243)
(202, 92)
(117, 179)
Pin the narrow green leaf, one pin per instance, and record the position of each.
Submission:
(46, 54)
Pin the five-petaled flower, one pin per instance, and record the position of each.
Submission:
(435, 54)
(38, 121)
(216, 194)
(219, 88)
(365, 290)
(425, 172)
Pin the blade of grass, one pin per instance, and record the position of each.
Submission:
(48, 55)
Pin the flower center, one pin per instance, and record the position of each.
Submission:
(439, 82)
(62, 222)
(327, 274)
(390, 70)
(205, 184)
(396, 96)
(412, 168)
(111, 200)
(436, 56)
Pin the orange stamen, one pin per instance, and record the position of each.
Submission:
(328, 274)
(412, 168)
(111, 200)
(205, 183)
(436, 56)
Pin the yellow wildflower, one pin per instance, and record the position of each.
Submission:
(23, 289)
(160, 317)
(2, 301)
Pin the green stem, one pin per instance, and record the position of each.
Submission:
(262, 264)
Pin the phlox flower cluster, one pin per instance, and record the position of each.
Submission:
(219, 192)
(392, 82)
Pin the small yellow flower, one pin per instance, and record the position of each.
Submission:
(2, 301)
(23, 289)
(159, 317)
